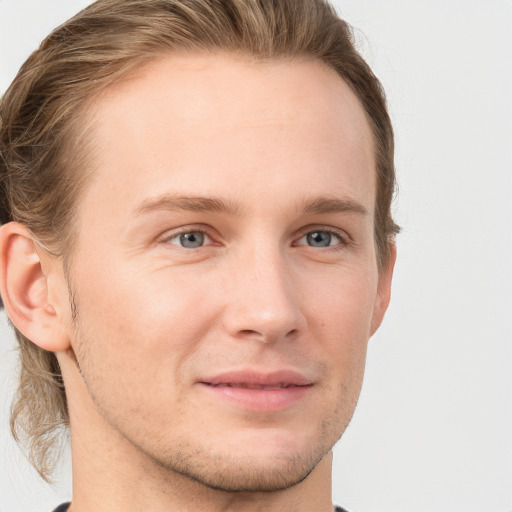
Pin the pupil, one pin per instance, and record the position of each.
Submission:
(192, 240)
(319, 239)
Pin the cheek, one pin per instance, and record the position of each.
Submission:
(343, 316)
(124, 299)
(343, 303)
(142, 329)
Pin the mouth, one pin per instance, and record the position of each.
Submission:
(246, 385)
(265, 392)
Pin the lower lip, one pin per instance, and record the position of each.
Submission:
(266, 400)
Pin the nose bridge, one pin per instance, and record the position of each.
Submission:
(264, 304)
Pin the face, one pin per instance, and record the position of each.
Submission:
(225, 272)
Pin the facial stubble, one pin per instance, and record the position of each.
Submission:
(226, 472)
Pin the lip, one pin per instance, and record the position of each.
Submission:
(258, 391)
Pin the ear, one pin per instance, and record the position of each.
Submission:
(24, 289)
(383, 290)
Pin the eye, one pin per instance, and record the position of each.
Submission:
(189, 239)
(320, 238)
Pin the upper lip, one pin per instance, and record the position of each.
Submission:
(256, 379)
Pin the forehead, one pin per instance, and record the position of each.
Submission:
(206, 121)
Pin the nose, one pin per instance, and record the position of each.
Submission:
(263, 301)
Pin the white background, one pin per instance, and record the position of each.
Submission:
(433, 429)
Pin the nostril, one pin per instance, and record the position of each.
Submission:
(249, 332)
(267, 337)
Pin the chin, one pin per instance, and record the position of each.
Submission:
(243, 474)
(247, 464)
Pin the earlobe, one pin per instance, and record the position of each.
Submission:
(383, 290)
(24, 289)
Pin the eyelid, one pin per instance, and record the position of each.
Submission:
(193, 228)
(345, 238)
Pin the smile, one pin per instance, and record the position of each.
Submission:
(254, 391)
(251, 386)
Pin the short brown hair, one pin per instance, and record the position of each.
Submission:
(43, 168)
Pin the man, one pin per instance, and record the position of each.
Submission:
(196, 247)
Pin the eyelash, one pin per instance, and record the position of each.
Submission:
(166, 239)
(344, 239)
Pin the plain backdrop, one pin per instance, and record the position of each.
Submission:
(433, 428)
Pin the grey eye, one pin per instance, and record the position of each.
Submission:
(191, 240)
(319, 239)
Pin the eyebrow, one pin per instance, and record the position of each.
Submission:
(322, 205)
(317, 206)
(173, 202)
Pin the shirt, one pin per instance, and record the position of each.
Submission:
(64, 507)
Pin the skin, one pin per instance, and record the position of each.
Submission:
(284, 151)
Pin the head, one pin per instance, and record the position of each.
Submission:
(64, 139)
